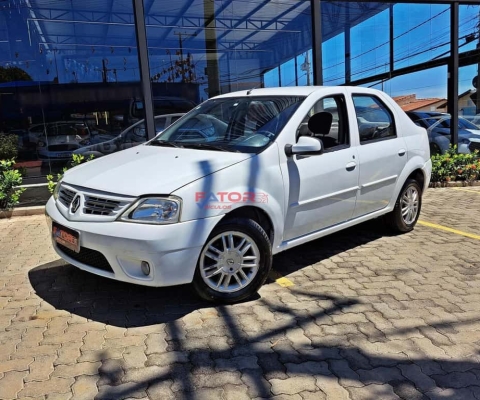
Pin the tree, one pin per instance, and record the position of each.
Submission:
(13, 74)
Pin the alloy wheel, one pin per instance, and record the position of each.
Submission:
(229, 261)
(410, 203)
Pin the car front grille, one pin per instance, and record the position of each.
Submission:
(474, 146)
(66, 196)
(93, 205)
(99, 206)
(62, 147)
(92, 258)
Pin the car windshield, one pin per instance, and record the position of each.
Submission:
(246, 124)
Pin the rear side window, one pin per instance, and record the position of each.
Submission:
(375, 120)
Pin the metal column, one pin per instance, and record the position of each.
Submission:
(143, 63)
(317, 42)
(452, 96)
(391, 40)
(348, 46)
(211, 48)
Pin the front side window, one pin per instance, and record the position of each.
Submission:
(335, 136)
(375, 121)
(246, 124)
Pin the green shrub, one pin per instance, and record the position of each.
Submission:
(77, 159)
(8, 146)
(10, 179)
(453, 166)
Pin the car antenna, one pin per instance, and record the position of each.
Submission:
(250, 90)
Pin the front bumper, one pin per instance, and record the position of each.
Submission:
(171, 250)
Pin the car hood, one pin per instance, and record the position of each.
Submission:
(150, 170)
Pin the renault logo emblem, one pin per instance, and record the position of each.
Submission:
(75, 204)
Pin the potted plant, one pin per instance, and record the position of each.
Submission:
(10, 180)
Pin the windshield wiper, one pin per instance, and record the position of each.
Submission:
(207, 146)
(164, 143)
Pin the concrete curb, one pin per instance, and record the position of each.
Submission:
(453, 184)
(24, 212)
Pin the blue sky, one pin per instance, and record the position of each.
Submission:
(421, 32)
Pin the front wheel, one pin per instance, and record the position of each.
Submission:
(407, 208)
(234, 263)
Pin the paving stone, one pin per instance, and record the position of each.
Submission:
(456, 380)
(318, 395)
(18, 364)
(293, 385)
(331, 388)
(78, 369)
(215, 380)
(85, 387)
(135, 357)
(417, 376)
(53, 385)
(373, 391)
(161, 390)
(167, 358)
(156, 343)
(235, 392)
(41, 368)
(236, 363)
(11, 384)
(126, 390)
(68, 353)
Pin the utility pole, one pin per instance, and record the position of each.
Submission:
(180, 40)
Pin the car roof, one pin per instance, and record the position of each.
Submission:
(293, 91)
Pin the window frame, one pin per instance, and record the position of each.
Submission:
(343, 116)
(387, 109)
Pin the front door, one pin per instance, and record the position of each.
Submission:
(323, 188)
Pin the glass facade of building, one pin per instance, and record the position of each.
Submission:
(71, 74)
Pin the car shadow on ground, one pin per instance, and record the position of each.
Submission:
(255, 355)
(263, 359)
(68, 288)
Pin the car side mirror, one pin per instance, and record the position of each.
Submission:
(306, 146)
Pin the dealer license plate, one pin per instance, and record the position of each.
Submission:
(66, 237)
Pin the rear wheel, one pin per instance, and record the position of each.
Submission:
(234, 263)
(407, 208)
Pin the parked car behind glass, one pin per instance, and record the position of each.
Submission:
(130, 137)
(438, 129)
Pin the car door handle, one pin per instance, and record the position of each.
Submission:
(351, 166)
(402, 152)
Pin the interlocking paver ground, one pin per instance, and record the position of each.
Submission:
(370, 316)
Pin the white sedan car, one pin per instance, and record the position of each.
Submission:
(239, 178)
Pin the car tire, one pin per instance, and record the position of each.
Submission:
(221, 275)
(407, 208)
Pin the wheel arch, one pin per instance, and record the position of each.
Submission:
(256, 214)
(419, 176)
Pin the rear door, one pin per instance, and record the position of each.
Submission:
(382, 153)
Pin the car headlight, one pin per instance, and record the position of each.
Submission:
(154, 210)
(41, 144)
(56, 191)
